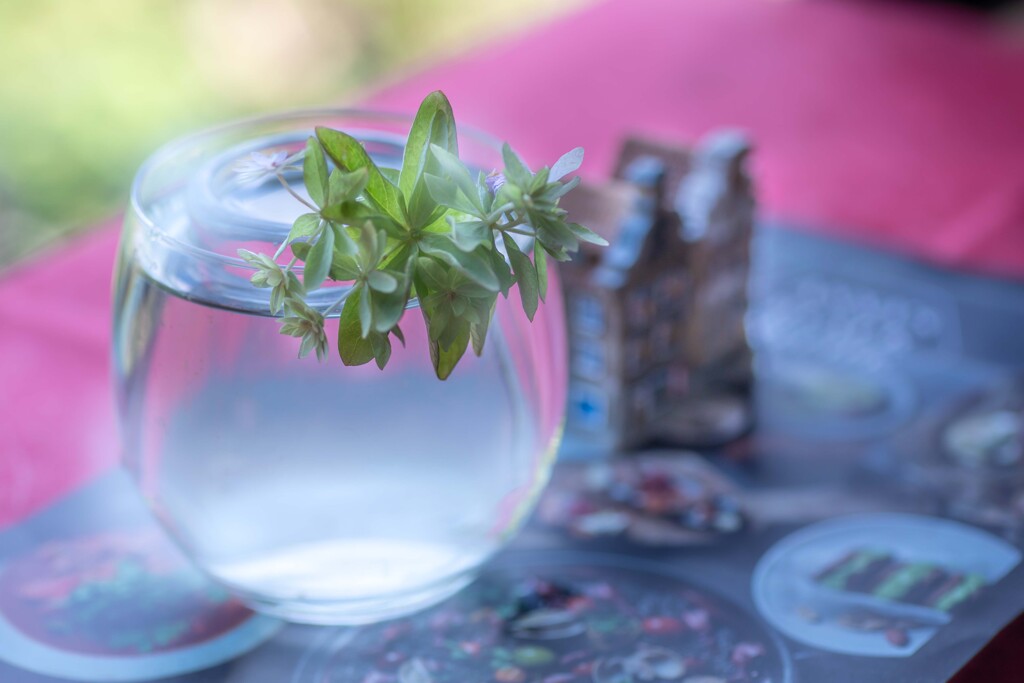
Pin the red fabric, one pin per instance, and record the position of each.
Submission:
(895, 125)
(57, 424)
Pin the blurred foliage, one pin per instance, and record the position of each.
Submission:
(90, 88)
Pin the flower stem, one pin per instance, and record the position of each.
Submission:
(288, 187)
(337, 304)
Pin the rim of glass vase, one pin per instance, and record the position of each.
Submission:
(306, 120)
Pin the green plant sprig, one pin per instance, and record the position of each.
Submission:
(430, 230)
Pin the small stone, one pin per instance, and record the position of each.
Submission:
(670, 670)
(532, 656)
(583, 668)
(862, 622)
(697, 619)
(657, 482)
(604, 523)
(897, 637)
(510, 674)
(661, 625)
(744, 652)
(655, 664)
(727, 521)
(547, 624)
(873, 623)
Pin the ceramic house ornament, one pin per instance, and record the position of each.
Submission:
(657, 342)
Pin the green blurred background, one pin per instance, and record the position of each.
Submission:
(92, 86)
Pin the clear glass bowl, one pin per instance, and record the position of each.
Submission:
(316, 492)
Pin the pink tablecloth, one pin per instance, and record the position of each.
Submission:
(892, 124)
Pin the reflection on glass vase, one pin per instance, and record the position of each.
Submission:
(314, 491)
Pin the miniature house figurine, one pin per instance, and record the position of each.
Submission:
(657, 343)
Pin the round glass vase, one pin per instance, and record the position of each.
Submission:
(316, 492)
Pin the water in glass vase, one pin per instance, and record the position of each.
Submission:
(315, 491)
(313, 487)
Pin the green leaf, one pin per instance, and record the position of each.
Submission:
(348, 213)
(434, 124)
(381, 346)
(509, 194)
(344, 245)
(301, 250)
(314, 172)
(259, 278)
(343, 187)
(308, 342)
(277, 295)
(390, 227)
(526, 276)
(559, 190)
(446, 358)
(423, 208)
(318, 263)
(294, 286)
(344, 267)
(475, 264)
(382, 282)
(292, 328)
(353, 349)
(554, 231)
(432, 275)
(451, 168)
(401, 259)
(478, 331)
(391, 174)
(500, 267)
(388, 308)
(569, 162)
(348, 154)
(399, 335)
(540, 261)
(516, 169)
(484, 194)
(539, 181)
(372, 245)
(447, 193)
(587, 235)
(304, 226)
(365, 310)
(438, 227)
(438, 315)
(369, 244)
(468, 235)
